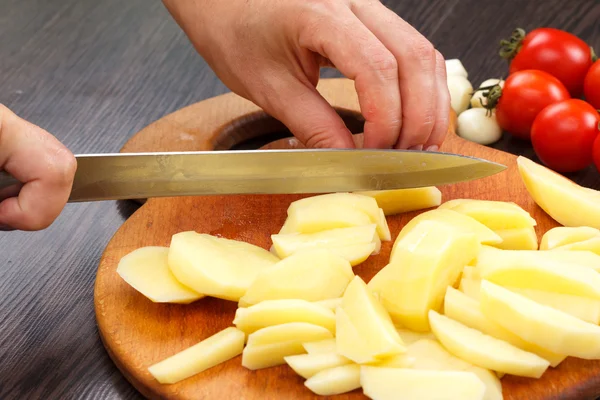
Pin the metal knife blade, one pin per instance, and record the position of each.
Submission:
(144, 175)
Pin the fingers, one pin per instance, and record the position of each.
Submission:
(43, 164)
(417, 71)
(442, 117)
(338, 35)
(305, 112)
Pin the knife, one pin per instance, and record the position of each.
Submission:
(123, 176)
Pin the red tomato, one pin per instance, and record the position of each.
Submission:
(563, 135)
(592, 85)
(524, 95)
(557, 52)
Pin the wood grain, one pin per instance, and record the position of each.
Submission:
(138, 333)
(94, 73)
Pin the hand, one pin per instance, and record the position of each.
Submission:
(270, 52)
(35, 157)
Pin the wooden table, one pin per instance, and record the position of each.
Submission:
(94, 73)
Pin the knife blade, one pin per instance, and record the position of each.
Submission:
(123, 176)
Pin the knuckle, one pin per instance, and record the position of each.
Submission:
(63, 166)
(424, 52)
(385, 64)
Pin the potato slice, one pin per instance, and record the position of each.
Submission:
(549, 275)
(216, 267)
(429, 354)
(320, 346)
(466, 310)
(483, 350)
(147, 271)
(496, 215)
(292, 331)
(214, 350)
(309, 274)
(344, 203)
(286, 244)
(470, 272)
(307, 365)
(562, 235)
(453, 219)
(308, 220)
(429, 258)
(396, 361)
(269, 346)
(536, 323)
(368, 334)
(409, 384)
(409, 337)
(470, 287)
(334, 381)
(562, 199)
(592, 245)
(355, 253)
(399, 201)
(331, 304)
(581, 307)
(517, 239)
(494, 257)
(276, 312)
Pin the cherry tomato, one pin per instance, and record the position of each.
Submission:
(563, 135)
(524, 95)
(591, 85)
(555, 51)
(596, 152)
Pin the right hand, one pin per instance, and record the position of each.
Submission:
(44, 165)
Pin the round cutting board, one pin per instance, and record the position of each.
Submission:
(138, 333)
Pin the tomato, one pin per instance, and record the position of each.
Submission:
(524, 95)
(555, 51)
(563, 135)
(591, 85)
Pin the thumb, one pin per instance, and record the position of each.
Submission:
(307, 115)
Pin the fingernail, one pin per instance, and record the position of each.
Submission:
(418, 147)
(434, 147)
(6, 228)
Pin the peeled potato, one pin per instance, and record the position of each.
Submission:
(217, 267)
(307, 365)
(212, 351)
(147, 271)
(563, 235)
(309, 274)
(517, 239)
(404, 200)
(485, 351)
(333, 381)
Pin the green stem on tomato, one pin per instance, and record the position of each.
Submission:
(509, 48)
(594, 56)
(492, 96)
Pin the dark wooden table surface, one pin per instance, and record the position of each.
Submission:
(96, 72)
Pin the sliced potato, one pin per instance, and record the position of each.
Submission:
(276, 312)
(334, 381)
(399, 201)
(217, 267)
(320, 346)
(518, 239)
(592, 245)
(377, 336)
(496, 215)
(301, 332)
(307, 365)
(429, 354)
(470, 287)
(343, 202)
(309, 274)
(411, 384)
(583, 308)
(483, 350)
(467, 311)
(563, 235)
(211, 351)
(331, 304)
(429, 258)
(146, 270)
(536, 323)
(409, 337)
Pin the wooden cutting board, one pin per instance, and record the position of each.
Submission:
(138, 333)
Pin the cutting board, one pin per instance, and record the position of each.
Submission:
(138, 333)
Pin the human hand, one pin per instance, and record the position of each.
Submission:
(270, 52)
(35, 157)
